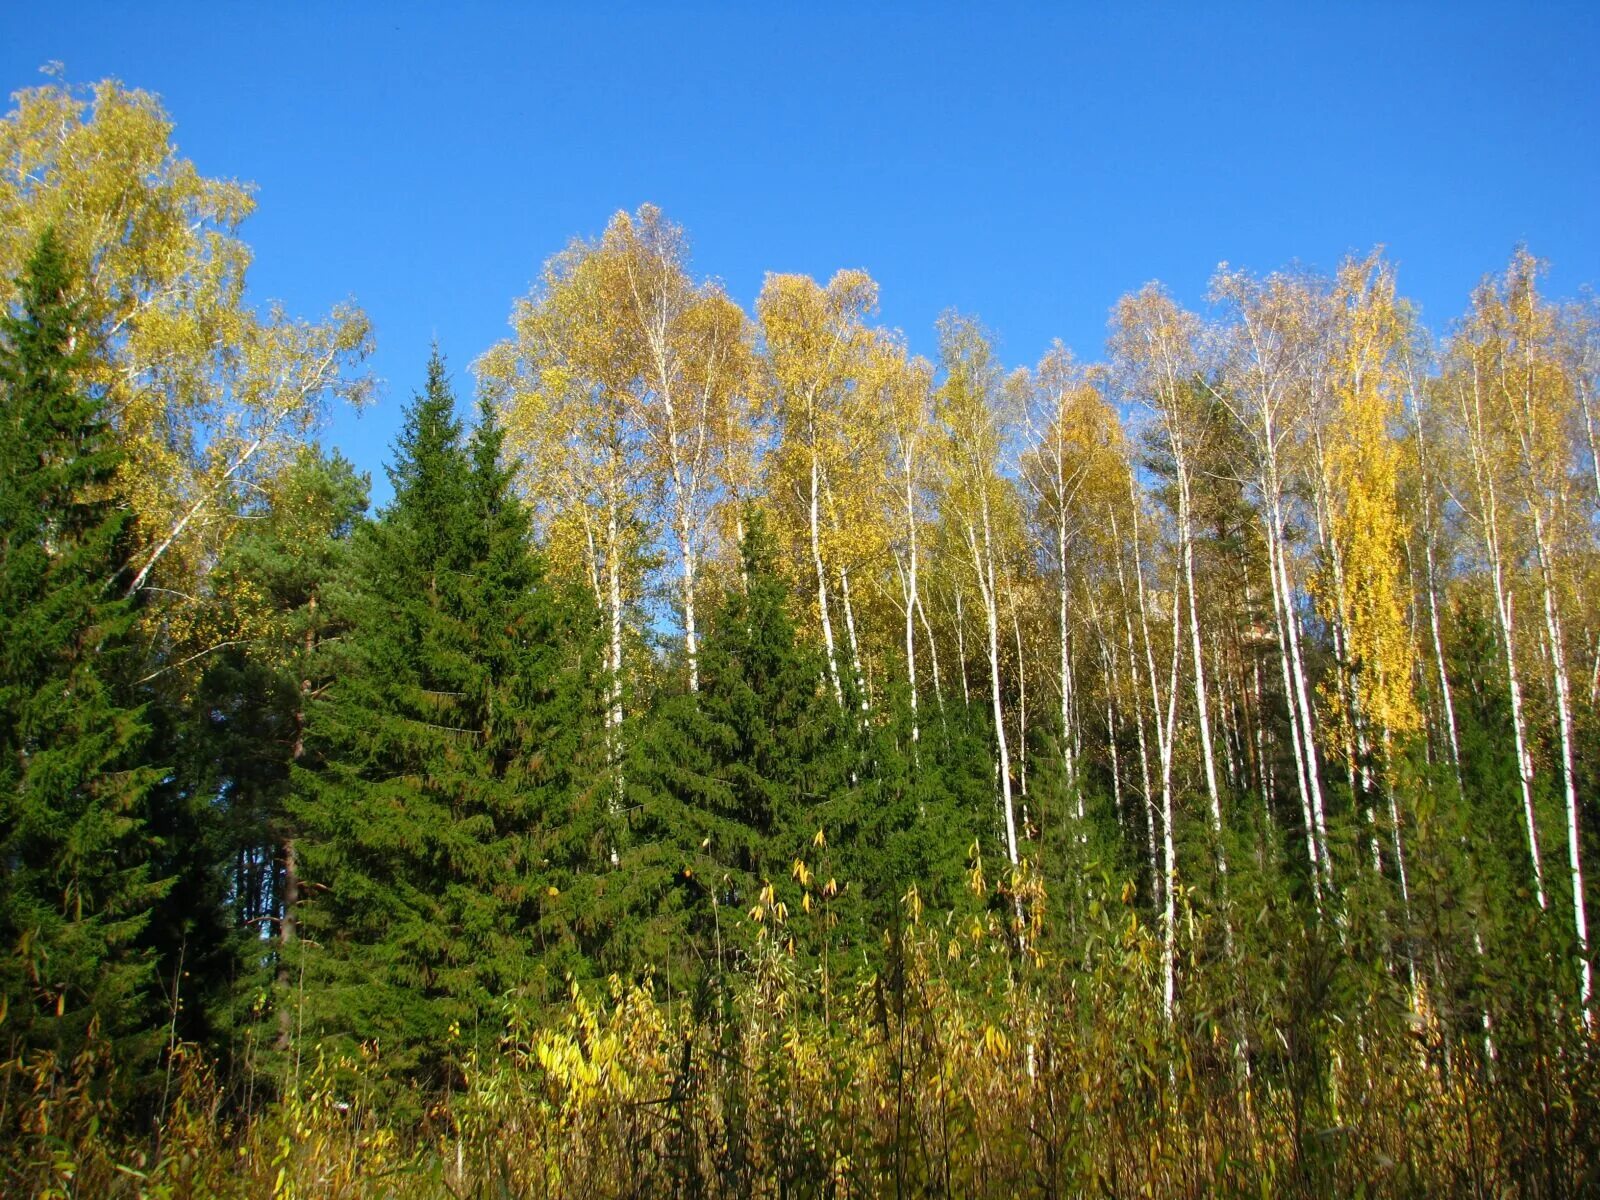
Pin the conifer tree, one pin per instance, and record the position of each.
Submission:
(728, 784)
(245, 726)
(75, 879)
(918, 815)
(537, 656)
(437, 786)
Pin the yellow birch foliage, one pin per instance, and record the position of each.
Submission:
(210, 397)
(817, 395)
(1073, 463)
(893, 469)
(689, 388)
(626, 390)
(975, 410)
(900, 403)
(1512, 344)
(1363, 461)
(562, 381)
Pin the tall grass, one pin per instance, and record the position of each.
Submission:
(964, 1067)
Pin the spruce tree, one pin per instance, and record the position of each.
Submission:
(727, 785)
(542, 771)
(75, 879)
(436, 794)
(921, 808)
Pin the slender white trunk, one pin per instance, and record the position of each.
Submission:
(1202, 707)
(1558, 663)
(1594, 670)
(1291, 625)
(1138, 709)
(1438, 659)
(1344, 685)
(1430, 581)
(614, 650)
(909, 602)
(1164, 743)
(855, 644)
(1505, 614)
(1264, 773)
(1201, 703)
(933, 654)
(1069, 759)
(1253, 691)
(591, 559)
(815, 515)
(1281, 620)
(961, 649)
(1488, 1022)
(1169, 975)
(1586, 406)
(744, 571)
(1022, 702)
(984, 564)
(191, 513)
(1108, 659)
(1227, 714)
(1169, 855)
(1398, 842)
(691, 642)
(912, 599)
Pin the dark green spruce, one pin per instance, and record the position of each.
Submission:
(76, 889)
(439, 804)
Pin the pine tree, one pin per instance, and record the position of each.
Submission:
(436, 798)
(75, 879)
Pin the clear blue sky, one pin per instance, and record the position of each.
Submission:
(1027, 164)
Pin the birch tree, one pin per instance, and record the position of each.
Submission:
(1361, 590)
(209, 395)
(980, 506)
(1268, 341)
(1522, 403)
(1155, 353)
(1072, 457)
(903, 390)
(689, 391)
(815, 338)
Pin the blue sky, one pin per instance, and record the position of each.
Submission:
(1025, 163)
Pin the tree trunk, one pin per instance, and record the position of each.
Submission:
(822, 580)
(1558, 663)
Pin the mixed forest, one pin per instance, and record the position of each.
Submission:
(746, 757)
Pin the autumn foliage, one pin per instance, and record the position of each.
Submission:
(747, 757)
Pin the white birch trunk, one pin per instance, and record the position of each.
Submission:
(815, 515)
(1022, 703)
(913, 600)
(933, 654)
(1488, 519)
(1280, 620)
(1138, 710)
(961, 649)
(983, 562)
(1291, 624)
(1069, 758)
(1558, 664)
(855, 643)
